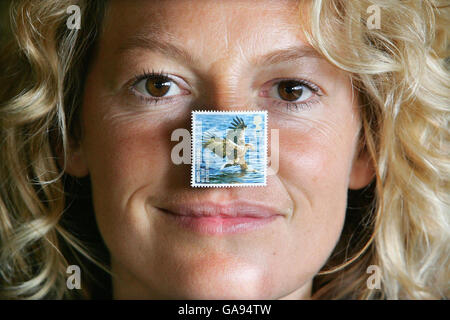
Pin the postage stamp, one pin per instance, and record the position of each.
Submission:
(229, 148)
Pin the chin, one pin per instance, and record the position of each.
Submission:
(246, 284)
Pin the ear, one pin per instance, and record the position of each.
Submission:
(76, 164)
(362, 172)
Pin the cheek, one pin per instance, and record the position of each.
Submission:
(315, 156)
(313, 161)
(314, 168)
(125, 159)
(121, 157)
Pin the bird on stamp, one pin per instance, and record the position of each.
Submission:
(232, 147)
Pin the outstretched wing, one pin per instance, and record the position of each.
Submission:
(221, 147)
(237, 132)
(237, 123)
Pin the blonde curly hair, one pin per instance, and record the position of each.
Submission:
(400, 72)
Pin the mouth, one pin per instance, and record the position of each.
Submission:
(219, 219)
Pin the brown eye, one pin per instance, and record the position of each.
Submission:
(157, 86)
(291, 90)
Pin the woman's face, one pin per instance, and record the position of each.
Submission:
(227, 55)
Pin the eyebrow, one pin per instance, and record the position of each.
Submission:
(159, 43)
(162, 44)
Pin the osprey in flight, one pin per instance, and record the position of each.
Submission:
(233, 147)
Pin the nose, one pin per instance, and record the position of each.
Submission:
(226, 87)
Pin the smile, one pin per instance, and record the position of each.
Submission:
(213, 219)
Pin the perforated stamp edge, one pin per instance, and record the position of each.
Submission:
(225, 185)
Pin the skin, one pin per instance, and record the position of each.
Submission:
(126, 150)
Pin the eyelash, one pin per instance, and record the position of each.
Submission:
(301, 105)
(288, 105)
(145, 75)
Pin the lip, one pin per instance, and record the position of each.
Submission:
(220, 219)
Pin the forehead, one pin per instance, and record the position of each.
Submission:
(206, 27)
